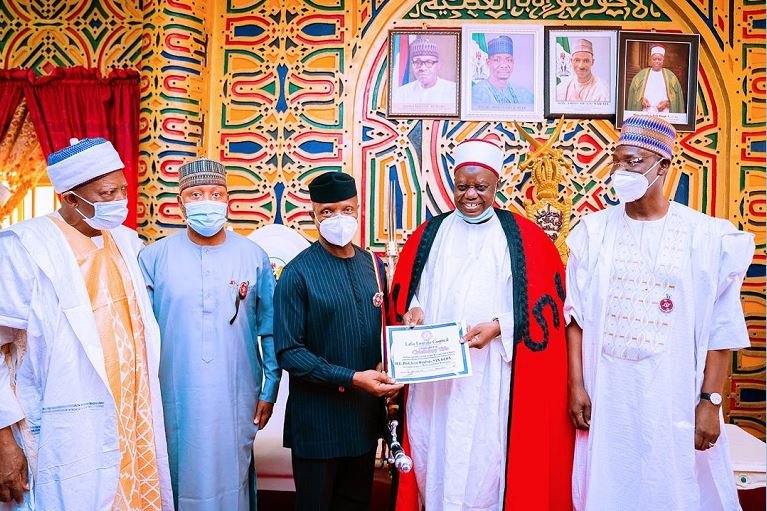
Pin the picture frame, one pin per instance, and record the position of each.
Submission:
(671, 91)
(424, 71)
(502, 72)
(581, 72)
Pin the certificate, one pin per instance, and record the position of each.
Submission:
(427, 352)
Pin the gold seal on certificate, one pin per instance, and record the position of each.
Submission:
(427, 353)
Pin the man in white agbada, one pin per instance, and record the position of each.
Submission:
(427, 88)
(459, 429)
(81, 423)
(653, 311)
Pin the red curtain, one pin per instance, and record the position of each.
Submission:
(12, 84)
(124, 106)
(79, 103)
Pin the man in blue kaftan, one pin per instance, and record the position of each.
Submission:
(212, 292)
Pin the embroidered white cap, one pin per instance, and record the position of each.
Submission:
(481, 152)
(82, 161)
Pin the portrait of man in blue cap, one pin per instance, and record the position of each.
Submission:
(499, 87)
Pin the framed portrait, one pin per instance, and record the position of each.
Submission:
(581, 70)
(502, 72)
(424, 73)
(658, 75)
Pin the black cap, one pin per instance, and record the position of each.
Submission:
(332, 187)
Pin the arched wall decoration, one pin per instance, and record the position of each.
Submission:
(418, 155)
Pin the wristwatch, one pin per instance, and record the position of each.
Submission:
(714, 397)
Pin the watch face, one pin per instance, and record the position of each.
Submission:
(716, 398)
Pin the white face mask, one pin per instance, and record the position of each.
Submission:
(338, 230)
(107, 215)
(630, 186)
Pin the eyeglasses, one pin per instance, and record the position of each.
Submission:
(428, 64)
(632, 164)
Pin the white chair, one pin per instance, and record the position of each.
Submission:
(272, 461)
(748, 458)
(274, 470)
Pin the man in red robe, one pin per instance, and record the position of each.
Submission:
(500, 439)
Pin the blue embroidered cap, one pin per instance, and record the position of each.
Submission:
(201, 171)
(649, 132)
(501, 44)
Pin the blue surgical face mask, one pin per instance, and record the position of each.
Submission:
(206, 217)
(483, 217)
(106, 215)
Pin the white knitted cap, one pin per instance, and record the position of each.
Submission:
(82, 161)
(480, 152)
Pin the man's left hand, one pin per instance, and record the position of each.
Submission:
(663, 105)
(706, 425)
(481, 334)
(263, 413)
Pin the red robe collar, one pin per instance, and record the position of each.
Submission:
(540, 434)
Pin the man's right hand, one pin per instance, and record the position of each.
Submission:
(645, 103)
(580, 407)
(413, 317)
(13, 468)
(375, 382)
